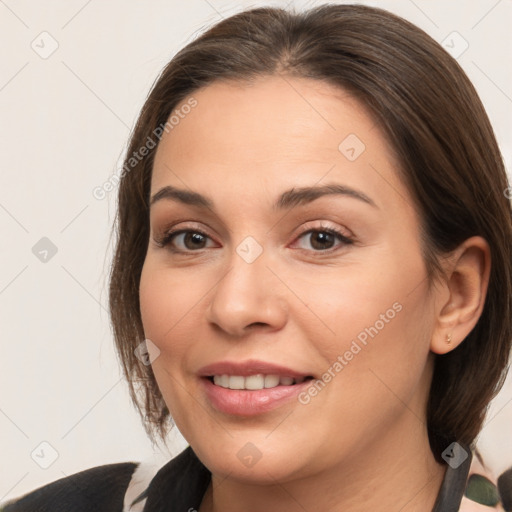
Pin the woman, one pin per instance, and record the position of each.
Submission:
(312, 275)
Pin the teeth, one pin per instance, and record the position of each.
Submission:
(236, 382)
(254, 382)
(286, 381)
(271, 381)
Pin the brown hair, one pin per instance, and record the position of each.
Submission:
(439, 131)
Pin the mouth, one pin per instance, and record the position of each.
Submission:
(251, 387)
(255, 382)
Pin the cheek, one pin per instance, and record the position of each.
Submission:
(166, 298)
(366, 302)
(153, 305)
(376, 324)
(166, 306)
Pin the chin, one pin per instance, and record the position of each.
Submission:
(259, 462)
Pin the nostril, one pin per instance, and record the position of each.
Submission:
(258, 324)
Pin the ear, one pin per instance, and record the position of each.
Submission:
(460, 299)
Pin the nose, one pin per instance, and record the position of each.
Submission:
(248, 296)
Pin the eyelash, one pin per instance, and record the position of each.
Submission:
(167, 238)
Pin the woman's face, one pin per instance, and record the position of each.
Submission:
(260, 278)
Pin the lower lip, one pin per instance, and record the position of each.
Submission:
(250, 403)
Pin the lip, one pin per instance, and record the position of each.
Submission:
(249, 367)
(241, 402)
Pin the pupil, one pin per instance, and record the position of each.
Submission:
(325, 238)
(196, 238)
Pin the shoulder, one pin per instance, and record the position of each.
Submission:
(101, 488)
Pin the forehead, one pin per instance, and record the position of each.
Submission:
(271, 133)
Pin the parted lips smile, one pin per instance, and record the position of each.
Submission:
(250, 387)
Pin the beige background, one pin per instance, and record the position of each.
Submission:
(64, 121)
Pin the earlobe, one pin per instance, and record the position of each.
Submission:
(444, 343)
(464, 292)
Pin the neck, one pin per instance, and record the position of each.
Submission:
(395, 472)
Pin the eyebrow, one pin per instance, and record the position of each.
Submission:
(291, 198)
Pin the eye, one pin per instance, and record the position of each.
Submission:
(192, 239)
(323, 238)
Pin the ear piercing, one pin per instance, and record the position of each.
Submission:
(449, 338)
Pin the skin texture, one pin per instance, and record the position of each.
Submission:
(361, 443)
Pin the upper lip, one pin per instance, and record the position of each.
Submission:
(249, 367)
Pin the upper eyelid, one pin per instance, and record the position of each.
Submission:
(190, 224)
(309, 226)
